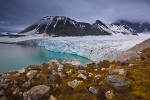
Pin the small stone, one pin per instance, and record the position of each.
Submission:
(31, 74)
(98, 76)
(74, 62)
(109, 94)
(96, 69)
(26, 84)
(74, 83)
(93, 90)
(82, 76)
(54, 72)
(61, 74)
(119, 71)
(21, 71)
(16, 90)
(82, 72)
(103, 69)
(69, 72)
(130, 65)
(52, 98)
(90, 75)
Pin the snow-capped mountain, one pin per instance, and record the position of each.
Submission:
(63, 26)
(113, 29)
(136, 26)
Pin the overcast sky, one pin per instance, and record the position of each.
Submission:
(17, 14)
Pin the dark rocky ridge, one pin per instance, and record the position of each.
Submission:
(64, 26)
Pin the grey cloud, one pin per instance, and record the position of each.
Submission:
(26, 12)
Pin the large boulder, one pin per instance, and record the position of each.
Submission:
(35, 93)
(117, 83)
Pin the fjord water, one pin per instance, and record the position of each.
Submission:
(13, 57)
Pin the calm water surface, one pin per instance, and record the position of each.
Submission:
(13, 57)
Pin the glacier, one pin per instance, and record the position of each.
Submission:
(95, 48)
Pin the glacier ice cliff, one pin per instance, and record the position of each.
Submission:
(95, 48)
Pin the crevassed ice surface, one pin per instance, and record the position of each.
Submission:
(95, 48)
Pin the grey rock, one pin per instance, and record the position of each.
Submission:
(119, 71)
(82, 76)
(26, 84)
(2, 92)
(117, 83)
(93, 90)
(35, 93)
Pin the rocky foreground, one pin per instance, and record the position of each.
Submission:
(129, 80)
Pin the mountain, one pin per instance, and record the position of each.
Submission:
(113, 29)
(137, 27)
(63, 26)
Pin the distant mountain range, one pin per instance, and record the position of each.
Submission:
(64, 26)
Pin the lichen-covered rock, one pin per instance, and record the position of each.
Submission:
(31, 74)
(117, 83)
(109, 95)
(74, 83)
(82, 76)
(119, 71)
(35, 93)
(93, 90)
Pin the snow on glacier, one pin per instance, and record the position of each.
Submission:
(95, 48)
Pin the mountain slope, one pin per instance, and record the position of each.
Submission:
(137, 27)
(114, 29)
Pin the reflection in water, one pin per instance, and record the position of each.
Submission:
(13, 57)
